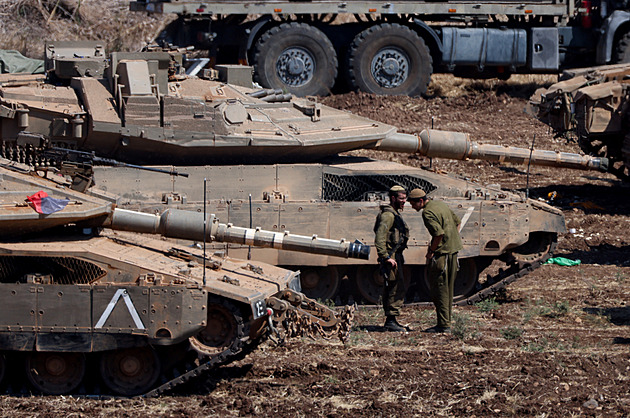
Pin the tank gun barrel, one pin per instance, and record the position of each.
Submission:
(190, 225)
(459, 146)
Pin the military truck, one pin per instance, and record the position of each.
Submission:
(139, 109)
(305, 47)
(89, 308)
(591, 105)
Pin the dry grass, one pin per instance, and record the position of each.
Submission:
(447, 85)
(26, 24)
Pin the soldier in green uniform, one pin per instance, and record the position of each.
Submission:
(391, 235)
(442, 265)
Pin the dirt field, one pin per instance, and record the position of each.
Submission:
(556, 343)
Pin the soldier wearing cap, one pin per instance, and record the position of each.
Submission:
(442, 264)
(391, 235)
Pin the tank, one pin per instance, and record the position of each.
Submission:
(273, 162)
(91, 304)
(590, 105)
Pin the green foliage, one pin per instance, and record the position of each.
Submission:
(368, 316)
(487, 305)
(358, 337)
(576, 343)
(559, 309)
(545, 309)
(511, 332)
(620, 277)
(539, 308)
(463, 327)
(331, 380)
(394, 341)
(327, 302)
(536, 346)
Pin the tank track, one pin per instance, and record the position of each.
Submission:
(504, 278)
(180, 372)
(494, 284)
(197, 363)
(227, 356)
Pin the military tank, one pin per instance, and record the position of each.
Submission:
(86, 293)
(272, 160)
(591, 105)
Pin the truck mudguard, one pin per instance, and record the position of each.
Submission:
(609, 28)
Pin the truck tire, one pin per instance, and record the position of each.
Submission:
(389, 59)
(622, 49)
(295, 57)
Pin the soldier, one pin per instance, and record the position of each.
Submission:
(442, 264)
(391, 238)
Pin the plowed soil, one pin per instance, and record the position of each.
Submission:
(555, 343)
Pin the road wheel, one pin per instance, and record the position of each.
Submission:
(130, 371)
(297, 58)
(55, 373)
(465, 282)
(369, 282)
(389, 59)
(537, 249)
(224, 329)
(320, 283)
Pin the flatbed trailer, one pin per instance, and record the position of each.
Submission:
(393, 47)
(428, 8)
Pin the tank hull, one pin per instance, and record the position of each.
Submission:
(341, 199)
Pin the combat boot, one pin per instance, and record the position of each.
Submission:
(439, 330)
(392, 325)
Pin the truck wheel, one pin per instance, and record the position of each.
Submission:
(389, 59)
(295, 57)
(622, 50)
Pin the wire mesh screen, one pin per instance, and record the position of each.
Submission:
(64, 270)
(353, 188)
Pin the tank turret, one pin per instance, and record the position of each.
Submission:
(140, 108)
(80, 295)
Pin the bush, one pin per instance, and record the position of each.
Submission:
(487, 305)
(463, 327)
(511, 332)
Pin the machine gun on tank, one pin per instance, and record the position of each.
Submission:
(79, 165)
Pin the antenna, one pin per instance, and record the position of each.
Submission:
(431, 158)
(205, 221)
(249, 249)
(529, 163)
